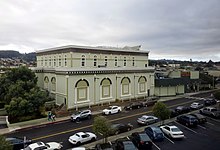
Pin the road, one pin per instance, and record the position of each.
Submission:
(61, 131)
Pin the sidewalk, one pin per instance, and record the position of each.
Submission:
(95, 111)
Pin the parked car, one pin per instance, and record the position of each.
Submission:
(141, 140)
(104, 146)
(201, 118)
(173, 113)
(18, 143)
(172, 131)
(150, 101)
(134, 105)
(187, 120)
(146, 120)
(210, 111)
(196, 105)
(120, 128)
(209, 102)
(111, 110)
(182, 109)
(44, 146)
(154, 133)
(82, 137)
(124, 144)
(78, 148)
(80, 115)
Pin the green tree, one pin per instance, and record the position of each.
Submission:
(161, 111)
(4, 145)
(102, 126)
(217, 95)
(23, 98)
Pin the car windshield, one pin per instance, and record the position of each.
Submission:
(109, 108)
(77, 135)
(129, 146)
(144, 137)
(115, 125)
(78, 112)
(47, 145)
(175, 129)
(157, 130)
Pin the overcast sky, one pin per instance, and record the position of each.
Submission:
(169, 29)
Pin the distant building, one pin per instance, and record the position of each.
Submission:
(79, 76)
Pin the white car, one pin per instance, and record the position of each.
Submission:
(82, 137)
(196, 105)
(111, 110)
(45, 146)
(146, 120)
(172, 131)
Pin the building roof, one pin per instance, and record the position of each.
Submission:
(102, 49)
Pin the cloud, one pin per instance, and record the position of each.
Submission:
(169, 29)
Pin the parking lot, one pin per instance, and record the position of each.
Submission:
(202, 137)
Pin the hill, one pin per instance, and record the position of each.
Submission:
(16, 55)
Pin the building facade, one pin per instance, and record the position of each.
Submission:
(79, 76)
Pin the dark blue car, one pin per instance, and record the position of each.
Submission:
(154, 133)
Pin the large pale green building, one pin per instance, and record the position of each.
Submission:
(79, 76)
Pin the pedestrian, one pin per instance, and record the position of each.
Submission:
(49, 116)
(53, 117)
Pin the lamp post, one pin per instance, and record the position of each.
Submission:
(116, 92)
(95, 78)
(135, 88)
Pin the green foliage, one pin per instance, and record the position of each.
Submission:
(4, 145)
(161, 111)
(217, 95)
(101, 125)
(19, 91)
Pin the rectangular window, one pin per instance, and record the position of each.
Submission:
(54, 61)
(106, 61)
(116, 62)
(59, 60)
(125, 63)
(133, 61)
(65, 61)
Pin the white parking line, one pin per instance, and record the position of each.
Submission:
(185, 127)
(210, 123)
(202, 127)
(213, 119)
(156, 146)
(169, 140)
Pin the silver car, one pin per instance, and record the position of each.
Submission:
(146, 120)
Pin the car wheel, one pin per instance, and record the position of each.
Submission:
(129, 129)
(109, 113)
(78, 143)
(130, 108)
(77, 119)
(138, 107)
(93, 139)
(187, 124)
(89, 116)
(116, 132)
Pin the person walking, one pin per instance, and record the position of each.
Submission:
(49, 116)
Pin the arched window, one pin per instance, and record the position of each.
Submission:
(142, 84)
(95, 61)
(106, 88)
(125, 86)
(53, 84)
(46, 82)
(83, 61)
(82, 87)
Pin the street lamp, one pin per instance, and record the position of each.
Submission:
(135, 88)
